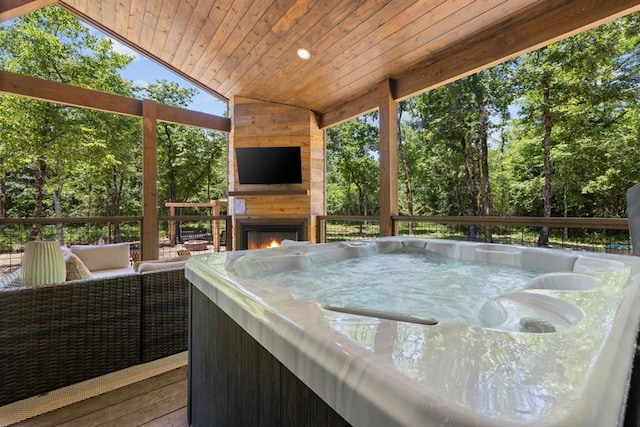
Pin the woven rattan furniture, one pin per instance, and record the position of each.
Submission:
(55, 335)
(165, 313)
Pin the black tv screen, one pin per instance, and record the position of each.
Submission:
(269, 165)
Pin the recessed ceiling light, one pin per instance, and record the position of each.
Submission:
(304, 53)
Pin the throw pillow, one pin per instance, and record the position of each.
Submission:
(75, 267)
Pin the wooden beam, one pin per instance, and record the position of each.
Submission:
(149, 239)
(168, 113)
(292, 192)
(209, 204)
(388, 159)
(61, 93)
(11, 9)
(362, 105)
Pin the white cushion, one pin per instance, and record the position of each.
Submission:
(151, 266)
(112, 272)
(103, 257)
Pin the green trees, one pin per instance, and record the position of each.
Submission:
(576, 97)
(188, 158)
(49, 138)
(63, 161)
(352, 151)
(551, 133)
(570, 149)
(452, 126)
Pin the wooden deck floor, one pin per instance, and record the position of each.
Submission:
(160, 401)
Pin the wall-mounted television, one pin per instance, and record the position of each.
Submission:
(269, 165)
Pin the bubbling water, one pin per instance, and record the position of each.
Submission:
(422, 284)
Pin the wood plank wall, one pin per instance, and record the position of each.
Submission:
(264, 124)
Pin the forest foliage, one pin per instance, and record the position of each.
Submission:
(551, 133)
(580, 96)
(60, 161)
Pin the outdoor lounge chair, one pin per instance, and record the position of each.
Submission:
(56, 335)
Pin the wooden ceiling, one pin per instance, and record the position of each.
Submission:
(248, 47)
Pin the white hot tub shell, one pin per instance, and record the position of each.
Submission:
(557, 352)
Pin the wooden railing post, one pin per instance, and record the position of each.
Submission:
(172, 227)
(322, 229)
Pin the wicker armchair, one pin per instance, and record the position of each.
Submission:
(56, 335)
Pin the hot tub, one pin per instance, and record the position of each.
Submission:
(420, 332)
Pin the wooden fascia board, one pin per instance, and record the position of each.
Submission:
(537, 26)
(61, 93)
(10, 9)
(167, 113)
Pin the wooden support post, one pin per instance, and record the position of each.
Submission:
(228, 226)
(215, 229)
(150, 245)
(172, 227)
(388, 159)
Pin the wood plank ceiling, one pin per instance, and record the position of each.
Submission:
(248, 47)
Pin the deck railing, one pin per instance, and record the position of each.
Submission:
(14, 233)
(590, 234)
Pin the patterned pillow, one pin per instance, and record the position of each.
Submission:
(75, 267)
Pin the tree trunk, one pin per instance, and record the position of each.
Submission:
(362, 206)
(3, 202)
(484, 160)
(38, 209)
(468, 169)
(565, 206)
(405, 170)
(116, 197)
(543, 240)
(173, 192)
(87, 227)
(57, 208)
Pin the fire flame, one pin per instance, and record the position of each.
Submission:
(271, 242)
(274, 244)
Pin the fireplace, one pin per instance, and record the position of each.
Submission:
(266, 234)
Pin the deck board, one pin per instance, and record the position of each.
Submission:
(158, 401)
(176, 418)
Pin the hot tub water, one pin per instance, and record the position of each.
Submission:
(419, 283)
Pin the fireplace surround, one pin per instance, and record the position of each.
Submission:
(264, 233)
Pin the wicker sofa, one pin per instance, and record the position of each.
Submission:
(55, 335)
